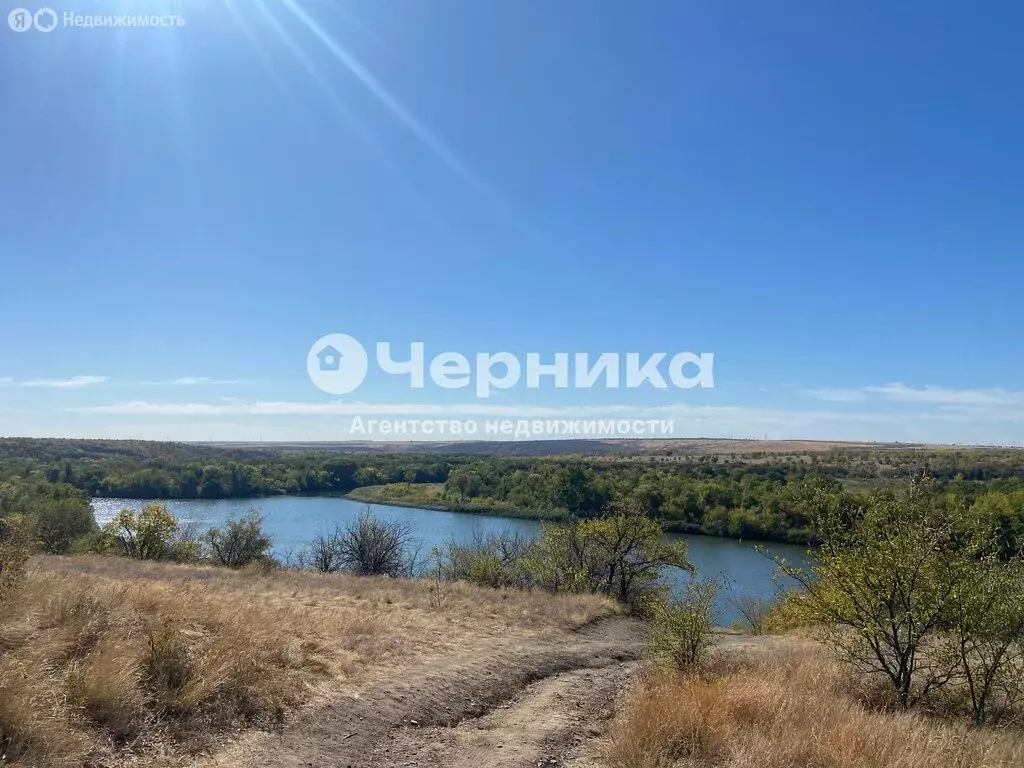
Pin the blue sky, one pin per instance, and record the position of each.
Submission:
(825, 195)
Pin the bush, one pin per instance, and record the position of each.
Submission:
(373, 547)
(753, 611)
(620, 555)
(241, 542)
(682, 628)
(490, 560)
(186, 544)
(785, 613)
(56, 527)
(97, 542)
(53, 514)
(146, 534)
(323, 554)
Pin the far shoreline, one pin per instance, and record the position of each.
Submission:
(383, 495)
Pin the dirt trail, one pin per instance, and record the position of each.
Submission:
(549, 724)
(519, 703)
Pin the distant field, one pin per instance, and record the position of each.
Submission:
(666, 446)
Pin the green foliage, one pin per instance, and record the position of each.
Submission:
(96, 542)
(54, 515)
(914, 589)
(764, 496)
(682, 628)
(490, 560)
(146, 534)
(147, 470)
(984, 639)
(240, 543)
(57, 527)
(620, 554)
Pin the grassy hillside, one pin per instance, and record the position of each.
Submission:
(105, 660)
(786, 704)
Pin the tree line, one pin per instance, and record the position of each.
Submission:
(751, 496)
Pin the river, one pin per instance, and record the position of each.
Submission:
(292, 521)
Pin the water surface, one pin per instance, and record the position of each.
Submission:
(293, 521)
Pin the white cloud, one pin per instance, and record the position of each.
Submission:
(837, 395)
(297, 408)
(191, 381)
(307, 421)
(946, 396)
(183, 381)
(927, 395)
(731, 417)
(71, 383)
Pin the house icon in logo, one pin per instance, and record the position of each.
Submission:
(337, 363)
(330, 359)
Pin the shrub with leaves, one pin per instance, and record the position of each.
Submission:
(323, 554)
(915, 589)
(240, 543)
(493, 560)
(54, 514)
(682, 627)
(146, 534)
(620, 554)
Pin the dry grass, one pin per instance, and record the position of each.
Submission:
(788, 708)
(103, 659)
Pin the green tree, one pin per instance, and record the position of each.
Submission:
(54, 514)
(146, 534)
(985, 639)
(619, 554)
(60, 524)
(887, 584)
(241, 542)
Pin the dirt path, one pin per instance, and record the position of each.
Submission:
(519, 703)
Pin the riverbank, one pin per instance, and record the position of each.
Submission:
(293, 522)
(428, 496)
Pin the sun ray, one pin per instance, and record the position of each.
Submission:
(349, 116)
(409, 120)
